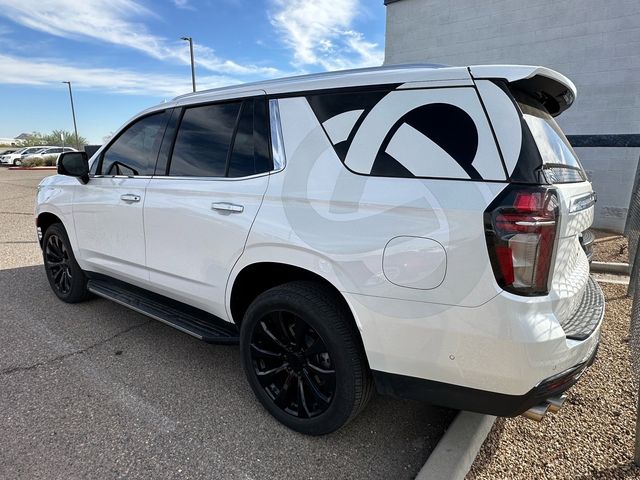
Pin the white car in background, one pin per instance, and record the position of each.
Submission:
(16, 157)
(51, 151)
(412, 229)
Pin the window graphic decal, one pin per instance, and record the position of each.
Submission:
(426, 139)
(440, 125)
(342, 113)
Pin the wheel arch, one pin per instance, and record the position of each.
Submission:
(44, 220)
(252, 278)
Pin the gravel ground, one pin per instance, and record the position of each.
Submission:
(592, 436)
(610, 247)
(95, 390)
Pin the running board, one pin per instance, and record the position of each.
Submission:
(197, 323)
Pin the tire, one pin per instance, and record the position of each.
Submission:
(17, 162)
(66, 278)
(292, 338)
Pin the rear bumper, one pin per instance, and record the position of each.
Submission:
(481, 401)
(499, 358)
(588, 315)
(586, 241)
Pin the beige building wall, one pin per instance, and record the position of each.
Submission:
(595, 43)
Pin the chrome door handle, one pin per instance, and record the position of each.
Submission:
(227, 207)
(130, 197)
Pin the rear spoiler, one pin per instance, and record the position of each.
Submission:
(555, 91)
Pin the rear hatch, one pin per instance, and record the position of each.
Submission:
(562, 169)
(549, 202)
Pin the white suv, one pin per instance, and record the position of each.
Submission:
(18, 156)
(414, 228)
(51, 152)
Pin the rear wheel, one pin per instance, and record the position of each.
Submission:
(303, 358)
(65, 276)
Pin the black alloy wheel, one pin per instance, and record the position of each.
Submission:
(65, 276)
(57, 261)
(292, 364)
(303, 357)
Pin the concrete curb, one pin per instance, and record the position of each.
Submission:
(33, 168)
(457, 449)
(610, 267)
(611, 278)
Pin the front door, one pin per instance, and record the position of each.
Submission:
(108, 211)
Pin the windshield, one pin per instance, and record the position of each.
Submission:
(560, 162)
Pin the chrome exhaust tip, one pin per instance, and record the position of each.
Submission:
(555, 403)
(537, 413)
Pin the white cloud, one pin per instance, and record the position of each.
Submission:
(117, 22)
(22, 71)
(321, 33)
(184, 4)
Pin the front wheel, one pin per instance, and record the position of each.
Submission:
(17, 162)
(66, 278)
(303, 357)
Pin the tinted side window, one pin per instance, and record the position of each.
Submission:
(249, 155)
(134, 152)
(203, 140)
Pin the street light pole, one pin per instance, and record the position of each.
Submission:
(73, 112)
(193, 66)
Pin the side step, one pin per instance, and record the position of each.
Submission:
(187, 319)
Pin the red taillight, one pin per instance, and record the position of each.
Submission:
(521, 227)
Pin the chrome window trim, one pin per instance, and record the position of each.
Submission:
(216, 179)
(121, 176)
(277, 143)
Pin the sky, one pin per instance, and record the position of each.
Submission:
(123, 56)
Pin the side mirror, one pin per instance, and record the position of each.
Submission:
(74, 164)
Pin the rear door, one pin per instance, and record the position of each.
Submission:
(202, 203)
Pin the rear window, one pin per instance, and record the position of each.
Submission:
(203, 140)
(560, 163)
(222, 140)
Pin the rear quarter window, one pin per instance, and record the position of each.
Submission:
(411, 133)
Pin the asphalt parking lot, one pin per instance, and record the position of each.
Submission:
(95, 390)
